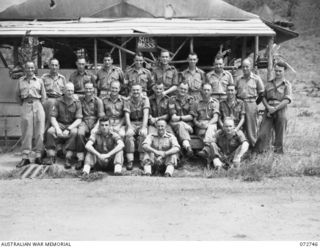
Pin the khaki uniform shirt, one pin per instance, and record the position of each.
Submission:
(234, 110)
(79, 80)
(142, 77)
(54, 86)
(181, 106)
(168, 76)
(135, 109)
(114, 108)
(193, 79)
(159, 108)
(30, 88)
(106, 77)
(219, 83)
(229, 145)
(164, 143)
(66, 113)
(249, 87)
(92, 108)
(279, 91)
(104, 143)
(205, 110)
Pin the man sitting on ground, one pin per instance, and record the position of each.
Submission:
(105, 148)
(161, 151)
(228, 146)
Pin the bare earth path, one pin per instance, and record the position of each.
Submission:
(139, 208)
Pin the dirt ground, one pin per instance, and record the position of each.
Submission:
(140, 208)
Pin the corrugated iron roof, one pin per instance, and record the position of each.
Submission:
(74, 9)
(98, 27)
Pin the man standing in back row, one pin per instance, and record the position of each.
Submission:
(108, 74)
(166, 74)
(31, 94)
(277, 96)
(250, 89)
(81, 76)
(55, 84)
(193, 76)
(219, 79)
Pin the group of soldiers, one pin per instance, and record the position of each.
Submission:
(103, 119)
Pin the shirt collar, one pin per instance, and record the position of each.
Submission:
(196, 69)
(84, 73)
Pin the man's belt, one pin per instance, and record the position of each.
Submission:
(30, 100)
(53, 95)
(273, 102)
(250, 99)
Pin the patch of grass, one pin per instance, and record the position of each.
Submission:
(92, 177)
(311, 171)
(9, 175)
(305, 113)
(257, 167)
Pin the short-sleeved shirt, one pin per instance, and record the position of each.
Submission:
(279, 91)
(205, 110)
(31, 88)
(106, 76)
(235, 110)
(80, 79)
(92, 108)
(164, 143)
(249, 87)
(66, 113)
(104, 143)
(139, 76)
(159, 107)
(114, 108)
(135, 109)
(181, 106)
(229, 144)
(219, 83)
(54, 84)
(194, 79)
(168, 76)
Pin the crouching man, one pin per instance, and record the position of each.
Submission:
(228, 146)
(105, 148)
(161, 151)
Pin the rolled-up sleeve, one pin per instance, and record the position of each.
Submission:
(78, 110)
(288, 92)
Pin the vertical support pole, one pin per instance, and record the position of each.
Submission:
(39, 57)
(244, 48)
(123, 56)
(256, 51)
(171, 44)
(15, 53)
(120, 59)
(95, 54)
(191, 45)
(6, 133)
(270, 59)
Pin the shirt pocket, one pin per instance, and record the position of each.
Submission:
(72, 109)
(24, 91)
(48, 85)
(169, 77)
